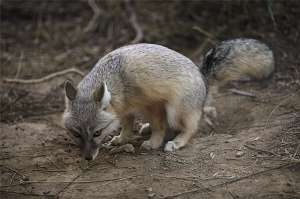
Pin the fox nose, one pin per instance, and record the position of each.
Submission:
(88, 158)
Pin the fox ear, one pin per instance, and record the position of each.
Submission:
(102, 95)
(70, 90)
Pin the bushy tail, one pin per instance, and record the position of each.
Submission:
(238, 60)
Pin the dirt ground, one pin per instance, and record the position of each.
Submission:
(253, 151)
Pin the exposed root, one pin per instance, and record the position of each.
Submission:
(46, 78)
(93, 22)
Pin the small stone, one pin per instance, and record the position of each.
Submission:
(129, 148)
(149, 189)
(151, 195)
(46, 192)
(239, 154)
(25, 178)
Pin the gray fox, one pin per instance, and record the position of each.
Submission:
(233, 61)
(238, 60)
(163, 85)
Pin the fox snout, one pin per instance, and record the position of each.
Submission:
(89, 150)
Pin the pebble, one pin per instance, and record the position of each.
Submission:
(239, 154)
(151, 195)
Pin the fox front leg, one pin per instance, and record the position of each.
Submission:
(126, 132)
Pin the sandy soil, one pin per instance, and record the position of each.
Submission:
(252, 153)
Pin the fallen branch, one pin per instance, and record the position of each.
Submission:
(134, 22)
(46, 78)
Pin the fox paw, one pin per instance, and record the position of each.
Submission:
(146, 145)
(144, 129)
(211, 111)
(210, 115)
(170, 147)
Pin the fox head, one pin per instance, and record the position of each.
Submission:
(87, 119)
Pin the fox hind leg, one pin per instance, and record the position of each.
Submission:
(188, 128)
(157, 119)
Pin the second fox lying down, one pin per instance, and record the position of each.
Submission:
(163, 85)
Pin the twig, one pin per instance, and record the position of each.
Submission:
(52, 162)
(276, 107)
(43, 170)
(243, 93)
(15, 171)
(13, 102)
(190, 178)
(72, 181)
(201, 48)
(28, 194)
(134, 22)
(297, 150)
(211, 38)
(19, 66)
(12, 178)
(17, 156)
(228, 182)
(46, 78)
(206, 41)
(260, 150)
(269, 5)
(92, 24)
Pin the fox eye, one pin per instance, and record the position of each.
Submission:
(75, 134)
(97, 133)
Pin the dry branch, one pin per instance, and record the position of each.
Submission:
(46, 78)
(134, 22)
(93, 22)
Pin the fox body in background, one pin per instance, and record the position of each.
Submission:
(234, 61)
(238, 60)
(163, 85)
